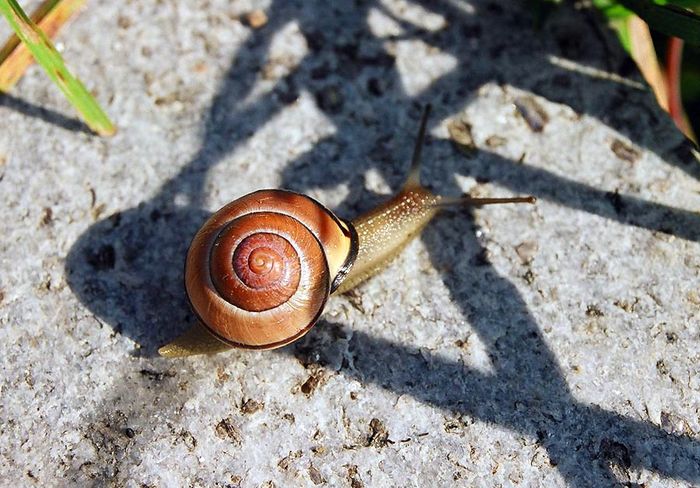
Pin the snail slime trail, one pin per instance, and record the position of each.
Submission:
(259, 272)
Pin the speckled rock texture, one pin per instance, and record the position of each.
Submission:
(547, 345)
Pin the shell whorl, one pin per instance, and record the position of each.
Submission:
(260, 270)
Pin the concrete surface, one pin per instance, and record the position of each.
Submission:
(555, 345)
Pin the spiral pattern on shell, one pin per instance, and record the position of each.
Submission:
(260, 270)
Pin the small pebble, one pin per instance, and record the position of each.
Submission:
(532, 112)
(256, 19)
(526, 251)
(461, 136)
(625, 151)
(496, 141)
(252, 406)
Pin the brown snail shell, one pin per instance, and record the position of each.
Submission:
(259, 272)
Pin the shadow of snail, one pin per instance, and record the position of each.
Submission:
(258, 273)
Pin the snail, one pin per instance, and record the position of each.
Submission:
(258, 273)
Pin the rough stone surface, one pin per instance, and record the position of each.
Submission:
(554, 345)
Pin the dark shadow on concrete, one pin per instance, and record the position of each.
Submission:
(127, 268)
(589, 446)
(47, 115)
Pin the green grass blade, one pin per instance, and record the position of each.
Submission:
(50, 16)
(46, 55)
(668, 19)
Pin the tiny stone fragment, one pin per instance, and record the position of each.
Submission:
(675, 424)
(312, 382)
(354, 477)
(315, 476)
(461, 136)
(661, 367)
(156, 375)
(97, 211)
(625, 305)
(46, 217)
(318, 450)
(593, 311)
(616, 456)
(256, 19)
(526, 251)
(286, 461)
(378, 434)
(189, 440)
(496, 141)
(123, 22)
(355, 299)
(625, 151)
(532, 112)
(221, 375)
(529, 277)
(226, 430)
(251, 406)
(451, 426)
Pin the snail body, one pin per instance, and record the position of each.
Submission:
(383, 232)
(259, 272)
